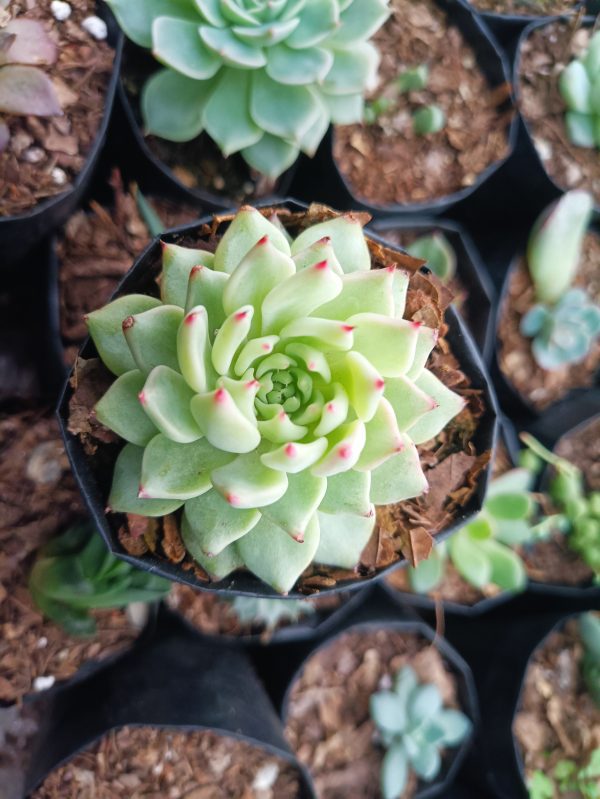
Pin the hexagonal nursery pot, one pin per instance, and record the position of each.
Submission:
(177, 685)
(94, 473)
(369, 649)
(472, 286)
(20, 233)
(490, 61)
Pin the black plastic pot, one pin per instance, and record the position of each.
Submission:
(176, 681)
(373, 619)
(508, 26)
(95, 485)
(19, 234)
(513, 403)
(491, 61)
(469, 269)
(305, 629)
(145, 167)
(525, 134)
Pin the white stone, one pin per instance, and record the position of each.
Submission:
(137, 614)
(42, 642)
(266, 777)
(96, 27)
(60, 10)
(43, 683)
(59, 176)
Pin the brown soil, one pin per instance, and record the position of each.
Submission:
(544, 53)
(539, 387)
(95, 251)
(412, 168)
(32, 647)
(533, 8)
(328, 723)
(557, 719)
(38, 496)
(553, 561)
(45, 155)
(198, 164)
(214, 616)
(582, 447)
(451, 463)
(155, 764)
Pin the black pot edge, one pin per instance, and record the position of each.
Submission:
(537, 22)
(441, 204)
(487, 430)
(478, 270)
(461, 669)
(266, 732)
(208, 200)
(60, 206)
(511, 21)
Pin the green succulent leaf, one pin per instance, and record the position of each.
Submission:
(176, 43)
(214, 523)
(173, 105)
(394, 772)
(177, 265)
(136, 17)
(120, 409)
(343, 538)
(227, 118)
(124, 493)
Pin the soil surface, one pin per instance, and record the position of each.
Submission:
(215, 616)
(328, 723)
(543, 56)
(97, 248)
(539, 387)
(387, 162)
(36, 653)
(582, 447)
(132, 763)
(557, 719)
(197, 164)
(451, 462)
(533, 8)
(45, 154)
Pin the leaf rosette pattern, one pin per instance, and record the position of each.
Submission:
(275, 391)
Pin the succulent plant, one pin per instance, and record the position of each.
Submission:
(24, 88)
(589, 629)
(428, 119)
(579, 85)
(262, 78)
(270, 613)
(567, 778)
(579, 509)
(438, 252)
(76, 573)
(275, 391)
(483, 551)
(565, 323)
(414, 726)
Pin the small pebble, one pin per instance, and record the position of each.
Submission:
(43, 466)
(544, 149)
(219, 182)
(266, 777)
(33, 155)
(96, 27)
(59, 176)
(42, 642)
(60, 10)
(43, 683)
(248, 187)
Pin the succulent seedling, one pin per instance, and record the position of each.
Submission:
(579, 509)
(270, 613)
(567, 779)
(257, 394)
(579, 85)
(25, 89)
(265, 78)
(589, 629)
(565, 323)
(75, 573)
(414, 727)
(439, 254)
(483, 551)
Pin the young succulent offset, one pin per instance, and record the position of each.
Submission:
(76, 573)
(483, 550)
(263, 78)
(24, 88)
(579, 85)
(589, 629)
(567, 779)
(565, 323)
(275, 391)
(579, 509)
(270, 613)
(414, 726)
(439, 254)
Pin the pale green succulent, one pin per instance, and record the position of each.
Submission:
(275, 391)
(270, 613)
(261, 77)
(579, 85)
(565, 323)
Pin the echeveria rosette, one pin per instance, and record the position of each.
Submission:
(261, 77)
(275, 391)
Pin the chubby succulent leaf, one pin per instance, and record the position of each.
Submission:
(277, 430)
(270, 613)
(439, 254)
(27, 90)
(28, 43)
